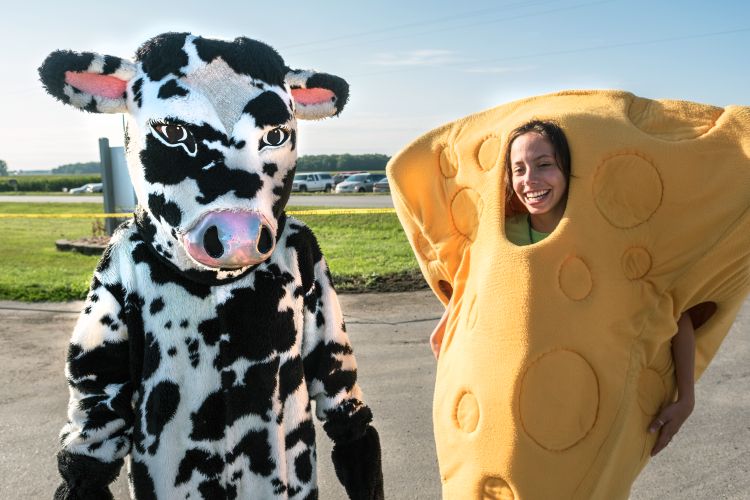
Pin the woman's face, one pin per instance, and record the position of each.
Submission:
(537, 179)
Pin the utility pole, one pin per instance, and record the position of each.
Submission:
(108, 187)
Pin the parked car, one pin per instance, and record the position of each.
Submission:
(342, 176)
(381, 186)
(94, 187)
(312, 181)
(359, 183)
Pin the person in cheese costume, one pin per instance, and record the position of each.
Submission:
(537, 174)
(557, 360)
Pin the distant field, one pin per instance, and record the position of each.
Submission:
(45, 183)
(366, 252)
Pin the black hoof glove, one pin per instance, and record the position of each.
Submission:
(64, 492)
(85, 478)
(358, 466)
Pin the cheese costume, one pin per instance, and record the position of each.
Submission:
(557, 355)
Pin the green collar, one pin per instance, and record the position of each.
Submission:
(534, 235)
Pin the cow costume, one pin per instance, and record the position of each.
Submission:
(212, 321)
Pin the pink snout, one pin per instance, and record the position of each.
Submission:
(230, 240)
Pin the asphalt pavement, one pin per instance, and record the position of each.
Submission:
(709, 457)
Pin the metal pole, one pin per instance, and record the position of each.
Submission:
(108, 188)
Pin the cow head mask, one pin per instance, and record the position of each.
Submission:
(210, 140)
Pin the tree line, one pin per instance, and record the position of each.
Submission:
(342, 162)
(89, 167)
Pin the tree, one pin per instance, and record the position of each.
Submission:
(3, 168)
(91, 167)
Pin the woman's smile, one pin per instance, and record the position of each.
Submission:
(535, 197)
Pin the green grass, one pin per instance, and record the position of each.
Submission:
(31, 268)
(366, 252)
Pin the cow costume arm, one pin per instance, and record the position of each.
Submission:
(331, 375)
(98, 433)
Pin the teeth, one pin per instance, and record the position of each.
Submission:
(533, 195)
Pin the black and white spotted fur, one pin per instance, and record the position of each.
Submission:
(202, 378)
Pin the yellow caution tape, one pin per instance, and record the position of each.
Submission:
(324, 211)
(343, 211)
(65, 216)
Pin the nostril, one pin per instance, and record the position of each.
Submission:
(211, 242)
(265, 242)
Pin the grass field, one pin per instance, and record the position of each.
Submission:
(366, 252)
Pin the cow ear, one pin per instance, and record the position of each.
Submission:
(316, 95)
(88, 81)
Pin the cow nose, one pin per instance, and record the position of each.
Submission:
(230, 240)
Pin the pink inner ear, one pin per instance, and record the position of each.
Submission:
(100, 85)
(307, 97)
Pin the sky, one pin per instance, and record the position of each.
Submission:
(411, 66)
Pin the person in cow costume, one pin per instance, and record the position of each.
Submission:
(212, 320)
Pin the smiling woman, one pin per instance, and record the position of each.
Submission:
(537, 175)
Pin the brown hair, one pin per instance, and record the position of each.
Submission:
(555, 135)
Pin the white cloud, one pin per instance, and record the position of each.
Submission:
(439, 57)
(424, 57)
(497, 70)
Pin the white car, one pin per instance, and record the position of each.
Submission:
(94, 187)
(358, 183)
(312, 181)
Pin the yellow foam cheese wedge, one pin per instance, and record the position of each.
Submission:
(557, 355)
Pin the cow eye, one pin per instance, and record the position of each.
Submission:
(172, 134)
(275, 137)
